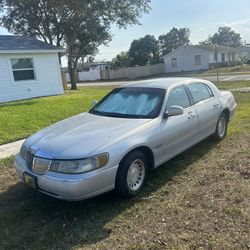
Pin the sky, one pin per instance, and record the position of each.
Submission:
(202, 17)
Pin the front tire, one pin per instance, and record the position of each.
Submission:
(131, 175)
(221, 127)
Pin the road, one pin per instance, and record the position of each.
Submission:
(223, 78)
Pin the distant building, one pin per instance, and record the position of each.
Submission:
(90, 71)
(201, 57)
(28, 68)
(245, 51)
(100, 65)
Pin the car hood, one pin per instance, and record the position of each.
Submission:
(79, 136)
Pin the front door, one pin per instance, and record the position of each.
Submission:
(178, 131)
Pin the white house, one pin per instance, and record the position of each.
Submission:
(28, 68)
(199, 57)
(245, 51)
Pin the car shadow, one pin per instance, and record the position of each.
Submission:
(38, 220)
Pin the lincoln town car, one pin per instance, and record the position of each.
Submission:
(133, 129)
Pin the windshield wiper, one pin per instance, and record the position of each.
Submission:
(119, 115)
(112, 114)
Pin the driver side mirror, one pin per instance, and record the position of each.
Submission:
(94, 103)
(173, 111)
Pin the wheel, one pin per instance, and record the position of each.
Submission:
(221, 128)
(131, 175)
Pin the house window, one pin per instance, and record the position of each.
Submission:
(197, 60)
(174, 62)
(223, 57)
(233, 57)
(23, 69)
(215, 57)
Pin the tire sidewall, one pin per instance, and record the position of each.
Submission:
(217, 135)
(121, 185)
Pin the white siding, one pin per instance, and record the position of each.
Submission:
(185, 57)
(48, 77)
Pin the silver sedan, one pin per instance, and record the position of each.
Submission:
(134, 128)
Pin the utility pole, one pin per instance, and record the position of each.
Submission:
(216, 61)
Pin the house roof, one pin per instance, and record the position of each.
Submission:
(211, 47)
(244, 49)
(208, 47)
(9, 43)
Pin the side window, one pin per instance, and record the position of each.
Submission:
(200, 91)
(178, 97)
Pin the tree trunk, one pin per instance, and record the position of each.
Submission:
(59, 58)
(72, 73)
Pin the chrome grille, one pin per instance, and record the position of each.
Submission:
(29, 158)
(23, 151)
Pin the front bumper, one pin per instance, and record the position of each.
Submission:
(71, 187)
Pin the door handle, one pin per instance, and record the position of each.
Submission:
(216, 104)
(191, 115)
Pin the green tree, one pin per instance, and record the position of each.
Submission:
(224, 36)
(144, 50)
(80, 25)
(173, 39)
(82, 42)
(122, 60)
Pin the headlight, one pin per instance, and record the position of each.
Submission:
(79, 166)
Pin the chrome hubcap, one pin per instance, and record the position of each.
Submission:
(222, 127)
(136, 175)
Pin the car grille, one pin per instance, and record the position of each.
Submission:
(26, 155)
(29, 158)
(23, 151)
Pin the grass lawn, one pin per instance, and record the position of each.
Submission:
(198, 200)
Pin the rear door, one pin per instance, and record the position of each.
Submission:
(208, 108)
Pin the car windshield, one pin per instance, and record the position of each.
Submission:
(131, 103)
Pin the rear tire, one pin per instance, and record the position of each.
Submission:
(131, 175)
(221, 127)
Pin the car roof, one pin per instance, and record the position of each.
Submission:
(161, 83)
